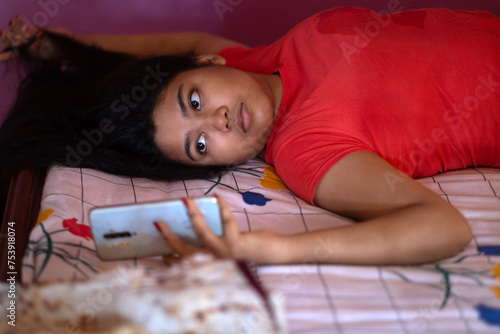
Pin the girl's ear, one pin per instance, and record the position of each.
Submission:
(210, 60)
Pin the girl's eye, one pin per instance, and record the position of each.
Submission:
(201, 145)
(194, 100)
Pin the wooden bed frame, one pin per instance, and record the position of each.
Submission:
(21, 209)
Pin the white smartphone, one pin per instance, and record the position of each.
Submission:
(128, 231)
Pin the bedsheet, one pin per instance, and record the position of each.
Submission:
(457, 295)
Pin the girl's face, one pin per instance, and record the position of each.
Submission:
(216, 115)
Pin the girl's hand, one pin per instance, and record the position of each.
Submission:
(256, 246)
(18, 35)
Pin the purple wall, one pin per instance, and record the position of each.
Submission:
(249, 21)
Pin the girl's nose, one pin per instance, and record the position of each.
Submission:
(221, 120)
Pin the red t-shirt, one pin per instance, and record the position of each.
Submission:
(420, 88)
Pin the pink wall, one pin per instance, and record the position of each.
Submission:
(250, 21)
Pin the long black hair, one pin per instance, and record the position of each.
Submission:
(92, 108)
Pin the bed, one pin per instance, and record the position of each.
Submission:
(458, 295)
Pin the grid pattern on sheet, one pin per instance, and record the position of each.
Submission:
(433, 298)
(318, 298)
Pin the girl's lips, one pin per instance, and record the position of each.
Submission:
(245, 117)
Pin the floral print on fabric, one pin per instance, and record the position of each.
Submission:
(80, 230)
(272, 180)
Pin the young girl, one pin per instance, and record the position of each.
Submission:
(348, 106)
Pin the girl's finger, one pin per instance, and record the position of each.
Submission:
(231, 230)
(3, 37)
(177, 245)
(14, 34)
(27, 32)
(203, 232)
(6, 38)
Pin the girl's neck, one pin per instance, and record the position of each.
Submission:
(275, 85)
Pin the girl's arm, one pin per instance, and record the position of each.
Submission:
(402, 222)
(145, 45)
(18, 34)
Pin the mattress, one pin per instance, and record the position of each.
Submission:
(459, 295)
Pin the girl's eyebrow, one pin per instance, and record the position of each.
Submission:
(182, 105)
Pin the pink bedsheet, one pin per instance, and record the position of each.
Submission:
(458, 295)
